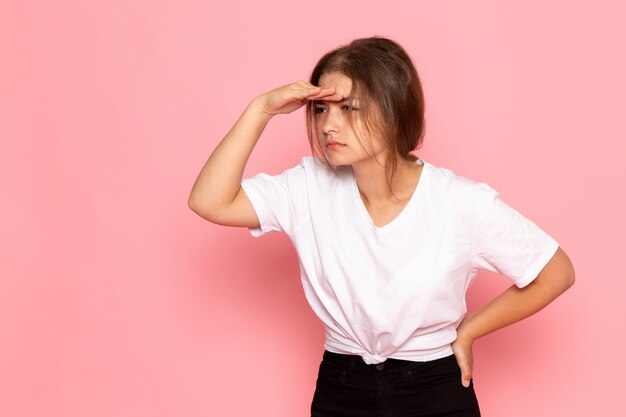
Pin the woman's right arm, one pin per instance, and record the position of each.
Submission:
(217, 195)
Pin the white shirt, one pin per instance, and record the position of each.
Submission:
(396, 291)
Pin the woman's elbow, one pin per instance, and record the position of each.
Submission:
(570, 279)
(558, 275)
(569, 275)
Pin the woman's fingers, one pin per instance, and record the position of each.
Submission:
(304, 84)
(461, 360)
(462, 348)
(466, 373)
(332, 97)
(328, 94)
(306, 92)
(292, 96)
(313, 92)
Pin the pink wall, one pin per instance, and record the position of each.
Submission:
(117, 300)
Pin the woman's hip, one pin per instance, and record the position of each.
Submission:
(347, 386)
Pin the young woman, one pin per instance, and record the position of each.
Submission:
(387, 242)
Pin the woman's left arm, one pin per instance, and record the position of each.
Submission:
(511, 306)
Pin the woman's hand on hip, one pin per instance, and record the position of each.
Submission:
(462, 348)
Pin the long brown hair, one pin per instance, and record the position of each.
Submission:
(383, 74)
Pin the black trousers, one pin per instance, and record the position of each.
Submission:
(348, 387)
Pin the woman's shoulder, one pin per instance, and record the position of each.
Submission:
(454, 183)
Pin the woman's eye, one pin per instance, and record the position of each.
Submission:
(350, 108)
(319, 110)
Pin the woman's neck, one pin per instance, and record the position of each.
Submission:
(373, 186)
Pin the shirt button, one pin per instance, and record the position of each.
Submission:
(380, 366)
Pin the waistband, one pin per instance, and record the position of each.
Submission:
(349, 362)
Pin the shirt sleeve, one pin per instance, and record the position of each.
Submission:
(508, 243)
(278, 200)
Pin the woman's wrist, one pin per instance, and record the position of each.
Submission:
(464, 331)
(257, 106)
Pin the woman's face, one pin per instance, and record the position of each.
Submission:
(333, 125)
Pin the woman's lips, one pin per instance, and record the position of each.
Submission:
(334, 145)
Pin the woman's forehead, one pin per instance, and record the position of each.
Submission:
(341, 82)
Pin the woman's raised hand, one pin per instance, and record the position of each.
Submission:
(217, 194)
(292, 96)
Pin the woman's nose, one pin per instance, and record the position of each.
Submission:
(332, 121)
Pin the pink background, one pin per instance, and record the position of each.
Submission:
(117, 300)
